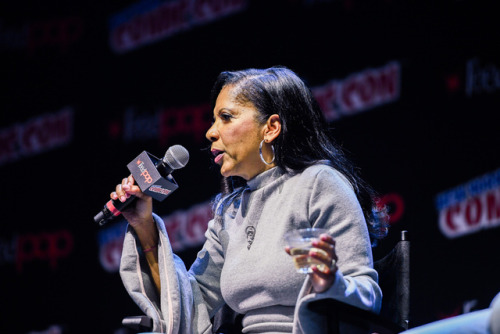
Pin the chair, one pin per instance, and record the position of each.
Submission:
(226, 321)
(394, 280)
(394, 277)
(140, 323)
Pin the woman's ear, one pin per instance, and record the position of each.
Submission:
(273, 128)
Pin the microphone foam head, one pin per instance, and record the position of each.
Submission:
(176, 157)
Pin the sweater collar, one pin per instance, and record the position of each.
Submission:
(265, 178)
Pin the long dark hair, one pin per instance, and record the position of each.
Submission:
(304, 139)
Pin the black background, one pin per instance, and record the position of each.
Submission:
(432, 139)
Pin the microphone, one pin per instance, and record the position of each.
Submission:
(152, 176)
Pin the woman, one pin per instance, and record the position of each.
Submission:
(281, 172)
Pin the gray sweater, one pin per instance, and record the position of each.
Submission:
(254, 275)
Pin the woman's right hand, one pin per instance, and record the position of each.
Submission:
(140, 217)
(141, 213)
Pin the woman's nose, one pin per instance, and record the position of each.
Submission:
(212, 133)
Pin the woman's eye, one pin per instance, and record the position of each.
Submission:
(226, 117)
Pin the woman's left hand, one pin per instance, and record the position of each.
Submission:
(323, 276)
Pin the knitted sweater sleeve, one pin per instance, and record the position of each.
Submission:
(180, 308)
(333, 205)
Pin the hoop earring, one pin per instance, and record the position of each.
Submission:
(262, 157)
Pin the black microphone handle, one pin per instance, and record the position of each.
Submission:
(112, 209)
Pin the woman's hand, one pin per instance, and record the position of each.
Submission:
(140, 214)
(140, 217)
(323, 276)
(323, 250)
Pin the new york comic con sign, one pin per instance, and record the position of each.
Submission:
(470, 207)
(150, 21)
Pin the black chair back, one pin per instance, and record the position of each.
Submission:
(394, 280)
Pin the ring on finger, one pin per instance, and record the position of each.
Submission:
(333, 265)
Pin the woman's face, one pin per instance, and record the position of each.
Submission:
(235, 136)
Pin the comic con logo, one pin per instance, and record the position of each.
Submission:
(470, 207)
(158, 189)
